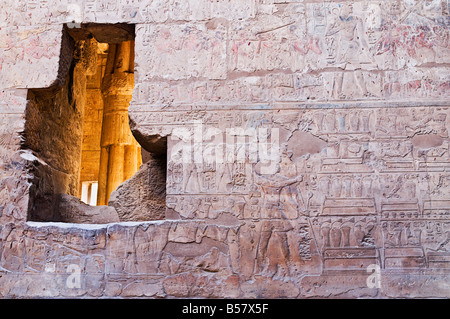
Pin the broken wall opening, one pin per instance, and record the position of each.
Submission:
(79, 130)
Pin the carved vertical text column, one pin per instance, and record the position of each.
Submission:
(120, 153)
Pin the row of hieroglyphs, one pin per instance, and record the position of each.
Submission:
(374, 187)
(255, 247)
(300, 51)
(402, 10)
(339, 51)
(345, 140)
(362, 121)
(357, 180)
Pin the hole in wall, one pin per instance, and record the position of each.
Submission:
(79, 131)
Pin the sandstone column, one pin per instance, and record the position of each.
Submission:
(92, 120)
(120, 153)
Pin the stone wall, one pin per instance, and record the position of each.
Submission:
(53, 131)
(307, 151)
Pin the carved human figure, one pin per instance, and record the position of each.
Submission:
(277, 254)
(281, 193)
(351, 48)
(175, 172)
(234, 248)
(248, 243)
(192, 184)
(289, 192)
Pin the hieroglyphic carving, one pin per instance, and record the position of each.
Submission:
(352, 51)
(358, 91)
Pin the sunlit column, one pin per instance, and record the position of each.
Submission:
(120, 153)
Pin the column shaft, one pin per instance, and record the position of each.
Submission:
(123, 155)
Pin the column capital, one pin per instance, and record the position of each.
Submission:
(120, 83)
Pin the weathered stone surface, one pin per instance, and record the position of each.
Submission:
(260, 289)
(72, 210)
(189, 285)
(305, 145)
(32, 48)
(142, 197)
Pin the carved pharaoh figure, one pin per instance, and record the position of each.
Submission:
(352, 49)
(281, 193)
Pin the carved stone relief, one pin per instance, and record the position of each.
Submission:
(306, 144)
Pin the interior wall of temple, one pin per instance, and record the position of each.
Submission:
(292, 149)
